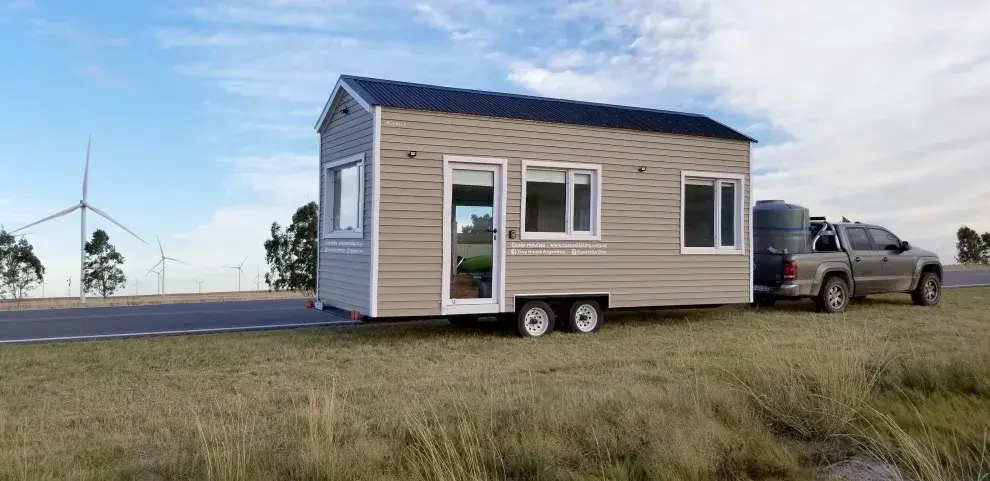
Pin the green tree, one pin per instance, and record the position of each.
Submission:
(291, 253)
(478, 224)
(103, 273)
(971, 247)
(20, 268)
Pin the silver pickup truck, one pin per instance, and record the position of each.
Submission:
(847, 261)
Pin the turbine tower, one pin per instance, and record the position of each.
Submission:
(162, 263)
(240, 270)
(82, 206)
(200, 286)
(257, 279)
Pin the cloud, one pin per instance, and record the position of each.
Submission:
(73, 34)
(20, 4)
(104, 77)
(882, 105)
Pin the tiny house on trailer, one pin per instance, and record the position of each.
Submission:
(446, 202)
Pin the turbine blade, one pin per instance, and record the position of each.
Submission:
(60, 214)
(86, 172)
(160, 245)
(107, 217)
(153, 268)
(177, 260)
(242, 262)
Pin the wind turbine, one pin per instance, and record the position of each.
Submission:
(158, 283)
(137, 287)
(240, 270)
(82, 206)
(200, 286)
(257, 279)
(162, 262)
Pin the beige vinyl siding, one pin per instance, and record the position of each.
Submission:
(345, 277)
(640, 211)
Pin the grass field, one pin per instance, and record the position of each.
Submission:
(70, 302)
(723, 394)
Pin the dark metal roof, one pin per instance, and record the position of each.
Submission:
(404, 95)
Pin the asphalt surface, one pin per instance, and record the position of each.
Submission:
(52, 325)
(975, 277)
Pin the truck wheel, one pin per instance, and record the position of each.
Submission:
(535, 319)
(834, 296)
(585, 317)
(929, 290)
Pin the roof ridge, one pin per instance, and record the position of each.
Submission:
(526, 96)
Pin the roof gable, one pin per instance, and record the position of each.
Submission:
(411, 96)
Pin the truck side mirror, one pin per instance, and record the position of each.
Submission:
(905, 246)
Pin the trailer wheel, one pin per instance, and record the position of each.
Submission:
(834, 296)
(535, 319)
(585, 317)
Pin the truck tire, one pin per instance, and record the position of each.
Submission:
(929, 290)
(535, 319)
(585, 317)
(833, 297)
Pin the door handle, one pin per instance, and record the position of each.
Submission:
(885, 259)
(857, 259)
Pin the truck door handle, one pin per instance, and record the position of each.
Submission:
(885, 259)
(857, 259)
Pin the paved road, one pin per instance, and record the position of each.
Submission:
(111, 322)
(975, 277)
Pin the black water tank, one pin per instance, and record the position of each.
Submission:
(781, 225)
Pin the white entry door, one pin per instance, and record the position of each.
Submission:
(474, 229)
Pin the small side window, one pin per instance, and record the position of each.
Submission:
(859, 239)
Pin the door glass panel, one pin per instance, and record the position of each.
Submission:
(860, 241)
(884, 241)
(472, 237)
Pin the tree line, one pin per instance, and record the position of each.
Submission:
(972, 247)
(21, 270)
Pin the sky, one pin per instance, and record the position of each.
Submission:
(201, 112)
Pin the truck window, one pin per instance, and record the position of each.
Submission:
(885, 241)
(859, 238)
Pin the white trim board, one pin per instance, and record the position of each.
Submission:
(739, 248)
(328, 197)
(749, 225)
(328, 108)
(569, 168)
(376, 203)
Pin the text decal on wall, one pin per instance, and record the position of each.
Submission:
(557, 249)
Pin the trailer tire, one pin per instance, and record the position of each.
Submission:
(833, 298)
(584, 317)
(535, 319)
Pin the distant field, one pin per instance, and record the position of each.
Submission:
(732, 393)
(69, 302)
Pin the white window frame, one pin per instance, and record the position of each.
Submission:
(569, 169)
(328, 197)
(720, 179)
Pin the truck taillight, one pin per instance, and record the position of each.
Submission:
(790, 270)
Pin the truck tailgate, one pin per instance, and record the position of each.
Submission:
(767, 269)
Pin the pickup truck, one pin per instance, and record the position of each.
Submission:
(846, 261)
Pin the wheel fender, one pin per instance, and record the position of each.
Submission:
(827, 268)
(919, 266)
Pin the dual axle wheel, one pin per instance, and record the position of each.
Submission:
(537, 318)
